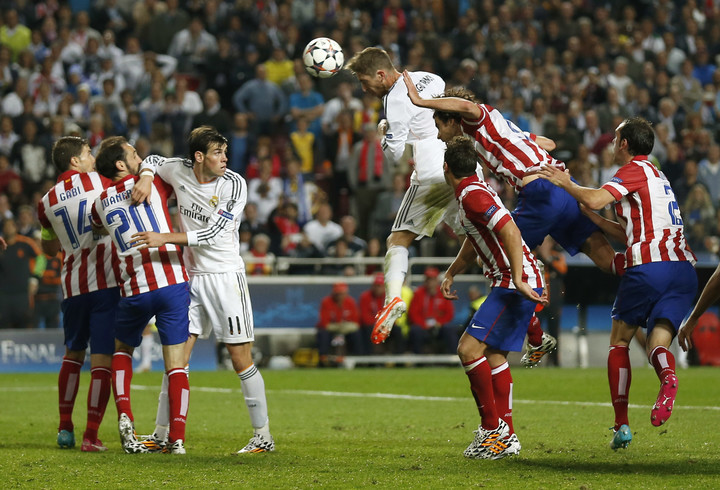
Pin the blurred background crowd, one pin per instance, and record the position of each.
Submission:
(318, 185)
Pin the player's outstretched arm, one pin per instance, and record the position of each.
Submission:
(613, 229)
(142, 190)
(152, 239)
(592, 198)
(710, 294)
(465, 256)
(512, 242)
(545, 143)
(468, 110)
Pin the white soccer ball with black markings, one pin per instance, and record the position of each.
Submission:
(323, 57)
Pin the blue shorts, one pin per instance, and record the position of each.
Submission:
(169, 306)
(657, 290)
(502, 320)
(545, 209)
(91, 317)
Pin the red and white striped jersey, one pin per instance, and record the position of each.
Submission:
(150, 268)
(88, 258)
(645, 203)
(504, 148)
(482, 216)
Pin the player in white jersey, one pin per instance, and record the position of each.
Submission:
(89, 285)
(500, 323)
(659, 283)
(153, 282)
(211, 199)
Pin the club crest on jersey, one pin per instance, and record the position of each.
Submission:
(214, 201)
(226, 215)
(491, 210)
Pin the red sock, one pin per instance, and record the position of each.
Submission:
(68, 382)
(663, 361)
(534, 332)
(98, 395)
(619, 376)
(178, 397)
(502, 383)
(121, 377)
(478, 372)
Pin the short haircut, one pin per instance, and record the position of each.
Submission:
(111, 150)
(461, 157)
(202, 138)
(369, 61)
(64, 149)
(460, 93)
(639, 134)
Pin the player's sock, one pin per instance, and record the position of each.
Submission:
(68, 382)
(396, 267)
(481, 386)
(502, 383)
(619, 377)
(178, 396)
(253, 388)
(121, 378)
(663, 361)
(98, 396)
(162, 418)
(534, 332)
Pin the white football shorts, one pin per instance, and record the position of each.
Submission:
(423, 208)
(221, 303)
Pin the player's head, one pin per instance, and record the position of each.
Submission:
(374, 70)
(448, 123)
(117, 158)
(72, 153)
(208, 149)
(634, 136)
(460, 158)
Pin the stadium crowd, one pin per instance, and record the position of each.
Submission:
(318, 185)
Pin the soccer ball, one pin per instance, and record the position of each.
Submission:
(323, 57)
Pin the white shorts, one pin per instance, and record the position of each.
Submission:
(221, 303)
(424, 207)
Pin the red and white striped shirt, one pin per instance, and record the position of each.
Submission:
(88, 258)
(150, 268)
(504, 148)
(482, 215)
(646, 205)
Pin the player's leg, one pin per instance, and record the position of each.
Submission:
(598, 248)
(68, 382)
(253, 388)
(659, 355)
(502, 383)
(178, 396)
(619, 379)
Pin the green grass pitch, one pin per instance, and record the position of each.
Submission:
(401, 428)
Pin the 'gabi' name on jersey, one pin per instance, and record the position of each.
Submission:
(116, 198)
(64, 196)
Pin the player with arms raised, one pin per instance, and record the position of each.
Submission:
(89, 284)
(153, 282)
(659, 284)
(211, 200)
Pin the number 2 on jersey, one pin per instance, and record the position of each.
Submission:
(121, 215)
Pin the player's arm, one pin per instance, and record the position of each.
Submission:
(467, 109)
(97, 224)
(710, 294)
(50, 243)
(612, 229)
(545, 143)
(465, 257)
(142, 190)
(512, 242)
(592, 198)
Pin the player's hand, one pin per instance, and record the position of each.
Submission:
(445, 288)
(545, 143)
(556, 176)
(147, 239)
(412, 90)
(527, 291)
(382, 127)
(142, 190)
(3, 244)
(685, 334)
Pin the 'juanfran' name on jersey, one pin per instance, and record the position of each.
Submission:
(195, 212)
(119, 197)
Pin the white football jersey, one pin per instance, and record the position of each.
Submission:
(210, 214)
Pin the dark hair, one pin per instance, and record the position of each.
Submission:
(461, 157)
(639, 134)
(64, 149)
(111, 150)
(369, 61)
(460, 93)
(202, 138)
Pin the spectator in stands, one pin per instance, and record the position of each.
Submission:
(7, 173)
(192, 46)
(259, 261)
(280, 68)
(283, 228)
(8, 136)
(430, 316)
(240, 143)
(221, 71)
(13, 34)
(12, 103)
(709, 173)
(338, 323)
(304, 145)
(356, 245)
(263, 102)
(49, 294)
(31, 156)
(298, 188)
(698, 215)
(308, 103)
(20, 272)
(387, 205)
(343, 101)
(213, 114)
(265, 191)
(322, 230)
(339, 143)
(164, 25)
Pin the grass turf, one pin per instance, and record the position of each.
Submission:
(345, 429)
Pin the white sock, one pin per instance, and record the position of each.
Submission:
(162, 419)
(396, 267)
(253, 388)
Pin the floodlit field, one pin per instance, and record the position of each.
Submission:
(402, 428)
